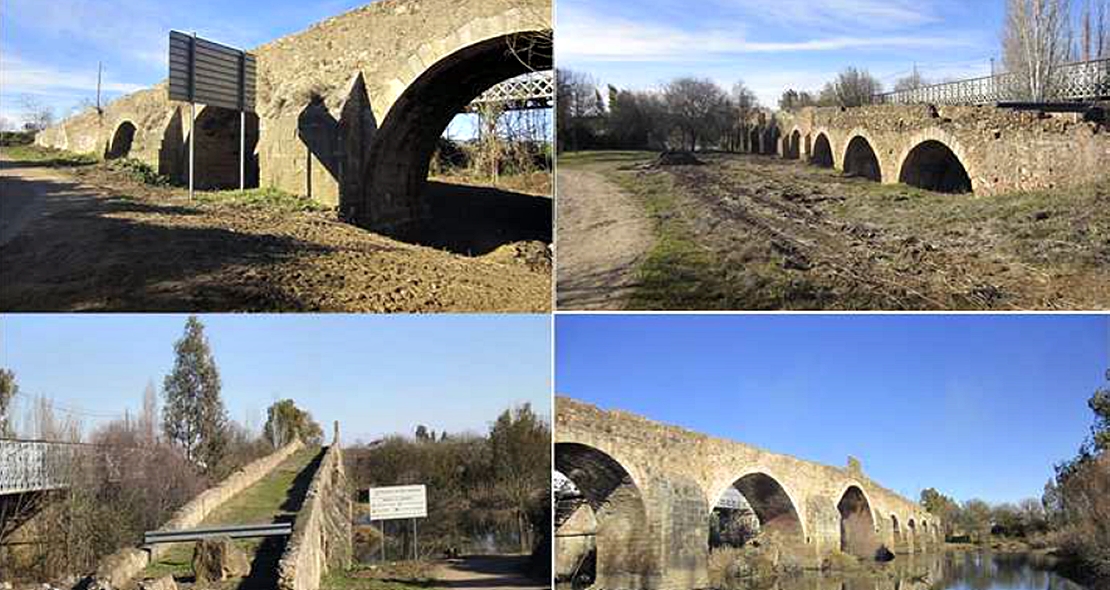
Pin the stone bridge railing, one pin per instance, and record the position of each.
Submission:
(118, 569)
(322, 534)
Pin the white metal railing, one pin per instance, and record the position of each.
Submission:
(534, 90)
(27, 466)
(1087, 80)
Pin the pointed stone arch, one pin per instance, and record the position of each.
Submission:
(860, 157)
(857, 522)
(121, 142)
(822, 154)
(934, 160)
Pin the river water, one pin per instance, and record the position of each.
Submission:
(961, 570)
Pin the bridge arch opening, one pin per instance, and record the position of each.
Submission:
(770, 140)
(120, 145)
(397, 197)
(822, 152)
(753, 141)
(620, 552)
(895, 528)
(932, 165)
(860, 160)
(756, 505)
(795, 145)
(216, 150)
(857, 525)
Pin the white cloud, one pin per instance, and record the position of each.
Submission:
(18, 76)
(839, 14)
(586, 37)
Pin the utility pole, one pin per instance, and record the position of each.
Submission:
(99, 72)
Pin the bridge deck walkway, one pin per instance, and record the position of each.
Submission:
(275, 498)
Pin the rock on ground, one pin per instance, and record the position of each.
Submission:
(163, 583)
(215, 560)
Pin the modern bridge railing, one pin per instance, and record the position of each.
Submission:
(1078, 81)
(30, 466)
(534, 90)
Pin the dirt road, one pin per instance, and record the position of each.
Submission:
(486, 572)
(604, 234)
(759, 232)
(90, 240)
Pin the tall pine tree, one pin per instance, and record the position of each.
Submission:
(193, 415)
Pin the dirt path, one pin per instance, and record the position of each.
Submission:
(89, 241)
(486, 572)
(604, 234)
(275, 498)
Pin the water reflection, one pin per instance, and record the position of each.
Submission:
(939, 571)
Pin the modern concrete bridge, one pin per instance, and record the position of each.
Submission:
(652, 488)
(986, 150)
(349, 110)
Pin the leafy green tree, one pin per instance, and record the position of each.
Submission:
(942, 507)
(193, 416)
(520, 445)
(285, 421)
(1100, 405)
(8, 390)
(975, 519)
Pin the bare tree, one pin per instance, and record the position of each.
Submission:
(1036, 38)
(911, 82)
(852, 88)
(698, 109)
(37, 114)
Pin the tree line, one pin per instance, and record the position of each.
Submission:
(1072, 515)
(130, 474)
(486, 492)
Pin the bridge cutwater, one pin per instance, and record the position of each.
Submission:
(652, 488)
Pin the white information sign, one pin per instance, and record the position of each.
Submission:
(394, 502)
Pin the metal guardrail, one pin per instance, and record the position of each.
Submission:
(1087, 80)
(534, 90)
(30, 466)
(241, 531)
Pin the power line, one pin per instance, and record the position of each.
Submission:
(70, 410)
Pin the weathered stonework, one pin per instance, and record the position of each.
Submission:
(1001, 150)
(652, 487)
(121, 567)
(322, 534)
(348, 110)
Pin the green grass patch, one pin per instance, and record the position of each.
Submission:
(586, 158)
(396, 576)
(43, 156)
(139, 171)
(678, 273)
(12, 138)
(263, 198)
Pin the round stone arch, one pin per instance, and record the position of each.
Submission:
(626, 550)
(795, 150)
(122, 138)
(883, 171)
(439, 80)
(857, 528)
(819, 156)
(947, 140)
(727, 479)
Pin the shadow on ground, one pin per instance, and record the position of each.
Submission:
(472, 220)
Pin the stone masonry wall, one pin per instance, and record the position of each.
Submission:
(1002, 150)
(322, 534)
(119, 568)
(680, 475)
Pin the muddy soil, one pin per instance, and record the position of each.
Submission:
(786, 234)
(604, 234)
(96, 240)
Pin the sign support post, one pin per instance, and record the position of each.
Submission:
(192, 109)
(217, 76)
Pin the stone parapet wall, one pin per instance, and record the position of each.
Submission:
(121, 567)
(322, 533)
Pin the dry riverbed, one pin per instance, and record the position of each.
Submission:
(759, 232)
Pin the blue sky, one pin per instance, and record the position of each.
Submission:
(975, 405)
(49, 49)
(773, 45)
(375, 374)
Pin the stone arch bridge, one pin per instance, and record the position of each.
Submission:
(349, 110)
(982, 149)
(652, 489)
